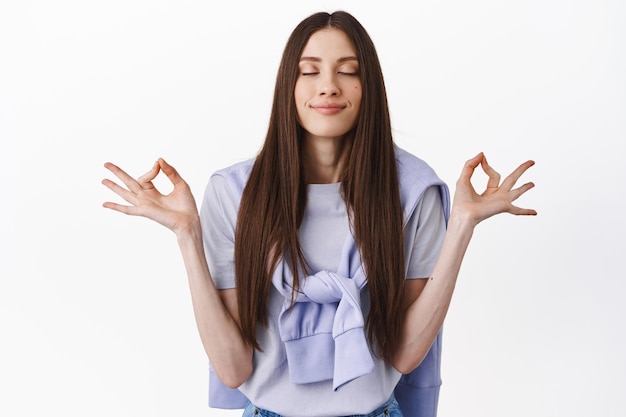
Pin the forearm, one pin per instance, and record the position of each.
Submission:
(425, 316)
(230, 355)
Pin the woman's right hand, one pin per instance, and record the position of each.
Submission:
(177, 210)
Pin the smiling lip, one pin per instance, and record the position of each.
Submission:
(328, 109)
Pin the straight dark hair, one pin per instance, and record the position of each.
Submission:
(273, 201)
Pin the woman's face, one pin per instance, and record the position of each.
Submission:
(328, 90)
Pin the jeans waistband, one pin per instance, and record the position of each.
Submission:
(379, 411)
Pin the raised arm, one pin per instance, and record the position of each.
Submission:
(215, 311)
(425, 315)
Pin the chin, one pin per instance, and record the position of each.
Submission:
(330, 133)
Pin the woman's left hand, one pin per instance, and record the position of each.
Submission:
(497, 197)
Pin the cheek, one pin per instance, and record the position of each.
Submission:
(297, 92)
(301, 94)
(298, 100)
(357, 93)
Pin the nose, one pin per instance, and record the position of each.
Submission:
(328, 85)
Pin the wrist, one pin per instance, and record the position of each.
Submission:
(461, 221)
(191, 230)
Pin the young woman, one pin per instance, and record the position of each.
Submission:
(321, 270)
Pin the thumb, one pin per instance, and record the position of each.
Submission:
(170, 171)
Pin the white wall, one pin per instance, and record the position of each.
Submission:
(95, 316)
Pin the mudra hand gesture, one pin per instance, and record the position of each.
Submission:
(177, 210)
(497, 197)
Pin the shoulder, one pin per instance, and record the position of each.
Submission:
(415, 176)
(233, 177)
(225, 187)
(413, 168)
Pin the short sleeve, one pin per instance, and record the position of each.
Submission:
(424, 234)
(218, 217)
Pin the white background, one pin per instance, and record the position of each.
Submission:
(95, 315)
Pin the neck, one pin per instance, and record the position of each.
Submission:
(323, 159)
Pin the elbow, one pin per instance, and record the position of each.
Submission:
(234, 380)
(406, 363)
(232, 383)
(234, 376)
(405, 367)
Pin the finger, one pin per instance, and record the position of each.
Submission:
(469, 167)
(517, 192)
(146, 179)
(129, 210)
(518, 211)
(121, 191)
(122, 175)
(494, 176)
(510, 181)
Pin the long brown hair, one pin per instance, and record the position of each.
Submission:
(274, 198)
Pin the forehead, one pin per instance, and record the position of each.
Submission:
(329, 44)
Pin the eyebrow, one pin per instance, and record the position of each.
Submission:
(317, 59)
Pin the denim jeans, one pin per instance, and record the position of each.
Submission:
(389, 409)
